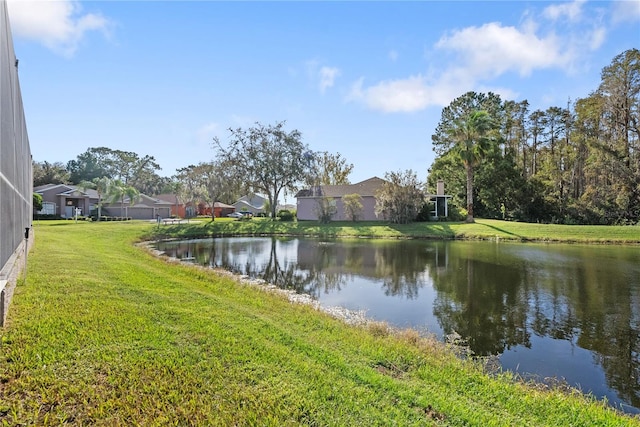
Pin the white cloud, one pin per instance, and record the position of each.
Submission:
(571, 10)
(322, 75)
(597, 38)
(412, 94)
(493, 49)
(393, 96)
(559, 37)
(626, 11)
(60, 25)
(480, 54)
(327, 77)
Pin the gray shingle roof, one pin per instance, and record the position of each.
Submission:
(67, 189)
(365, 188)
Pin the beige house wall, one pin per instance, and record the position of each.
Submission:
(307, 209)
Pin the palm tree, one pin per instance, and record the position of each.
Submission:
(102, 186)
(471, 135)
(118, 191)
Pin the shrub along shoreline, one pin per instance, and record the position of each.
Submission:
(105, 333)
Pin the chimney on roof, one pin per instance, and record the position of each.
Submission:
(440, 188)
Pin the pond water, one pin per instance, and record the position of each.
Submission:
(566, 312)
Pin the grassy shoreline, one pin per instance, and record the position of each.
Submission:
(104, 333)
(482, 229)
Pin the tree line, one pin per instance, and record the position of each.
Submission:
(262, 159)
(578, 163)
(129, 168)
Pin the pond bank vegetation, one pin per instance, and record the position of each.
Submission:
(482, 229)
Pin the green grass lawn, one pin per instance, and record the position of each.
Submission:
(104, 333)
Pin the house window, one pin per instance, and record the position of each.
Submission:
(48, 208)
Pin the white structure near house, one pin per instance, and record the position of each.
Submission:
(440, 201)
(253, 204)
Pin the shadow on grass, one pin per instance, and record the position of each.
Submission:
(424, 230)
(502, 230)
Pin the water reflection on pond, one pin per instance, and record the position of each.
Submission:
(565, 311)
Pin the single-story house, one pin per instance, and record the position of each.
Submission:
(189, 209)
(254, 204)
(184, 210)
(178, 209)
(222, 209)
(308, 200)
(144, 207)
(67, 200)
(63, 200)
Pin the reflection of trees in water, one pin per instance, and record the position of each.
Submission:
(608, 317)
(593, 305)
(319, 261)
(289, 277)
(618, 349)
(484, 308)
(324, 267)
(398, 264)
(583, 301)
(402, 268)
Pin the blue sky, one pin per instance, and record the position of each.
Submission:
(367, 80)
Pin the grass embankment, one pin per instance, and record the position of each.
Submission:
(103, 333)
(481, 229)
